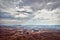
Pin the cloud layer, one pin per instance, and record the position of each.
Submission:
(30, 12)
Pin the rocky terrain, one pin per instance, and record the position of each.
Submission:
(7, 33)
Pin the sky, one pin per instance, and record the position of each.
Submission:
(30, 12)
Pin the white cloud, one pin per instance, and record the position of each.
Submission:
(20, 11)
(51, 3)
(28, 8)
(9, 21)
(47, 14)
(21, 16)
(39, 12)
(45, 17)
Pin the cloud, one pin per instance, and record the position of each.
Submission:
(45, 17)
(32, 11)
(10, 21)
(11, 12)
(47, 14)
(42, 4)
(21, 16)
(5, 15)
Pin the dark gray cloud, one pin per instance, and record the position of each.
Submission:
(4, 15)
(41, 4)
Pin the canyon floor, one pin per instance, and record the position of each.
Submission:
(20, 34)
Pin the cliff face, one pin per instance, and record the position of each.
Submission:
(16, 34)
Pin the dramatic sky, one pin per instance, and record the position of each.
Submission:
(30, 12)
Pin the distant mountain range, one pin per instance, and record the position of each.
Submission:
(52, 27)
